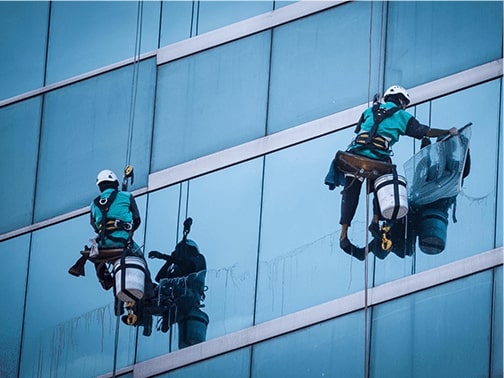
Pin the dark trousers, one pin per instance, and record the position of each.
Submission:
(350, 199)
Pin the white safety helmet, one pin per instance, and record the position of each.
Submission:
(397, 90)
(106, 175)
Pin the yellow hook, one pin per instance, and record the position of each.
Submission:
(386, 243)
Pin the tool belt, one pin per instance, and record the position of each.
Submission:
(376, 142)
(107, 255)
(361, 166)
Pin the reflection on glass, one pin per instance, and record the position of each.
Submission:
(179, 292)
(431, 333)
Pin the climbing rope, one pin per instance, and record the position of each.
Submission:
(366, 284)
(134, 80)
(384, 240)
(128, 171)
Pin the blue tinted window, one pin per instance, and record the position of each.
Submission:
(433, 333)
(331, 349)
(211, 101)
(90, 122)
(86, 35)
(14, 269)
(19, 133)
(301, 264)
(225, 206)
(427, 40)
(23, 27)
(320, 64)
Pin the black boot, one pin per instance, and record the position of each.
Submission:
(77, 269)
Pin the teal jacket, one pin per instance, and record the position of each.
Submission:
(124, 210)
(391, 128)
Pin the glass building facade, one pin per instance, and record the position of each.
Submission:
(230, 113)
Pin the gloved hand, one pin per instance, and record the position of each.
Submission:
(156, 255)
(453, 131)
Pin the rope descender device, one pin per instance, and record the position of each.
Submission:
(128, 174)
(386, 243)
(131, 318)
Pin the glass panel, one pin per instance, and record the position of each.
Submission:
(318, 65)
(331, 349)
(225, 209)
(432, 333)
(177, 18)
(13, 271)
(191, 120)
(70, 324)
(86, 35)
(225, 206)
(162, 231)
(499, 237)
(301, 264)
(215, 14)
(19, 133)
(23, 27)
(497, 331)
(279, 4)
(427, 40)
(230, 365)
(474, 231)
(90, 122)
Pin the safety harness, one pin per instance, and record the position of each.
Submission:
(108, 225)
(370, 140)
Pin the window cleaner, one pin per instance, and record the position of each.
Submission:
(369, 157)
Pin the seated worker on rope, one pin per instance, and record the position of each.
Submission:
(182, 286)
(378, 129)
(114, 216)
